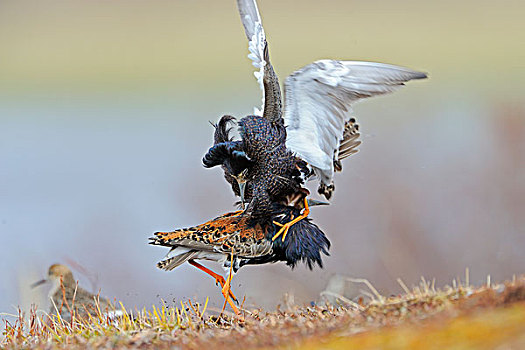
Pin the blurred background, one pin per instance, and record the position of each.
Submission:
(104, 110)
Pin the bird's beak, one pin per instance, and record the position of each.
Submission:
(242, 187)
(314, 202)
(241, 181)
(39, 283)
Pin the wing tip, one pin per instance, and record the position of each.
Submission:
(419, 75)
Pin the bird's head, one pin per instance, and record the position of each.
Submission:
(55, 274)
(242, 179)
(234, 160)
(238, 165)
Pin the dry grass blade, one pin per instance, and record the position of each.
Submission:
(379, 297)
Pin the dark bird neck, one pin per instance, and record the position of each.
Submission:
(272, 92)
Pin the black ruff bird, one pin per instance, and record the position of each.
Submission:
(283, 146)
(232, 240)
(279, 149)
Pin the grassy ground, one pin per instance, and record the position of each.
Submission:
(460, 317)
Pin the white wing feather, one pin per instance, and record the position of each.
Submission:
(318, 101)
(318, 97)
(251, 20)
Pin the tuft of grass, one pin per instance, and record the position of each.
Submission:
(33, 329)
(460, 316)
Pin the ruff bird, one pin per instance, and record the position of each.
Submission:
(234, 241)
(67, 298)
(306, 137)
(280, 147)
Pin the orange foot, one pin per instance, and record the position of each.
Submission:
(218, 278)
(224, 286)
(227, 293)
(284, 228)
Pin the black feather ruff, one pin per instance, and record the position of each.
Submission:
(222, 131)
(304, 242)
(229, 154)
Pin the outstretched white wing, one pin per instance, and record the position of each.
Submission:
(318, 97)
(318, 101)
(251, 20)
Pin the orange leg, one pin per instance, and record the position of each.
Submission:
(218, 278)
(284, 228)
(226, 290)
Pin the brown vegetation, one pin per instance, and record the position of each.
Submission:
(425, 317)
